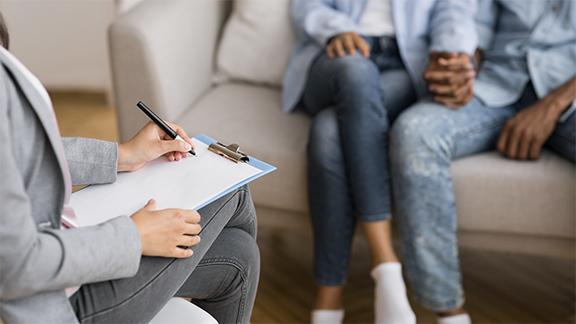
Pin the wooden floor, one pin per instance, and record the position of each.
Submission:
(500, 288)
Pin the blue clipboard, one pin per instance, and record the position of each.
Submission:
(265, 167)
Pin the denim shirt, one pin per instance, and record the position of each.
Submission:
(422, 26)
(533, 41)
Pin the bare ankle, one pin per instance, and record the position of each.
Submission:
(329, 297)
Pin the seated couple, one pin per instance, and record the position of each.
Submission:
(396, 93)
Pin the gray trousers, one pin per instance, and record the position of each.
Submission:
(221, 276)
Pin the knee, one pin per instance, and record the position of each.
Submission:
(239, 272)
(324, 139)
(418, 134)
(247, 265)
(408, 130)
(352, 70)
(248, 260)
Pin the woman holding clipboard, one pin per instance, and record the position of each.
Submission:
(126, 269)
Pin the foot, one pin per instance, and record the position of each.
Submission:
(462, 318)
(391, 304)
(327, 316)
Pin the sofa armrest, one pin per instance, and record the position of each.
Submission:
(162, 52)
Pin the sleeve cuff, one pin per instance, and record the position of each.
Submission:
(91, 161)
(567, 113)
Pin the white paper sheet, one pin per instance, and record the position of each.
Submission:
(186, 184)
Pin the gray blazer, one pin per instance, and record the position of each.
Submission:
(38, 260)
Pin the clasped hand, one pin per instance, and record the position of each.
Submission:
(450, 77)
(161, 231)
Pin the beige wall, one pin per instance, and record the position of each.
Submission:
(63, 42)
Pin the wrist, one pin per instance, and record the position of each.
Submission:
(558, 105)
(122, 165)
(563, 97)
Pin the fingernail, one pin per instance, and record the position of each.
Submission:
(188, 147)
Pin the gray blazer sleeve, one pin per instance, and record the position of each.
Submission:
(90, 161)
(35, 255)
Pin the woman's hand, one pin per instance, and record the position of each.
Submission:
(150, 143)
(163, 231)
(347, 42)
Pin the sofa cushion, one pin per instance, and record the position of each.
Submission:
(499, 195)
(256, 42)
(250, 116)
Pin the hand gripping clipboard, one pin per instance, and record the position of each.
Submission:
(191, 183)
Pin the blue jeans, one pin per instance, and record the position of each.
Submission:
(423, 142)
(353, 99)
(221, 276)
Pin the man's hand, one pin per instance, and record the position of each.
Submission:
(524, 134)
(162, 231)
(150, 143)
(450, 77)
(347, 42)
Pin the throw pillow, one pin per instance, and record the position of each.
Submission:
(256, 43)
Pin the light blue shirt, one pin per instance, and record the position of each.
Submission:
(422, 26)
(533, 41)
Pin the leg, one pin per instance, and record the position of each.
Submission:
(334, 167)
(330, 209)
(379, 237)
(235, 260)
(424, 139)
(139, 298)
(329, 190)
(351, 85)
(398, 94)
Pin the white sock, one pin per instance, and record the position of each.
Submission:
(391, 304)
(327, 316)
(455, 319)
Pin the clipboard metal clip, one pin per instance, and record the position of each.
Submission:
(231, 152)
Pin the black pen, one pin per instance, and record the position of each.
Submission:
(161, 124)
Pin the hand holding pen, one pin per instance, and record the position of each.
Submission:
(151, 142)
(162, 124)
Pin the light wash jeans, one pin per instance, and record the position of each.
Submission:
(353, 99)
(423, 141)
(221, 276)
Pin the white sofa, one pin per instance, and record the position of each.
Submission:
(164, 53)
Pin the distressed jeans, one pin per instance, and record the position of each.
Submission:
(353, 100)
(423, 141)
(221, 276)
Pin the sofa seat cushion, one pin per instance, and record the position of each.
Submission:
(499, 195)
(250, 116)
